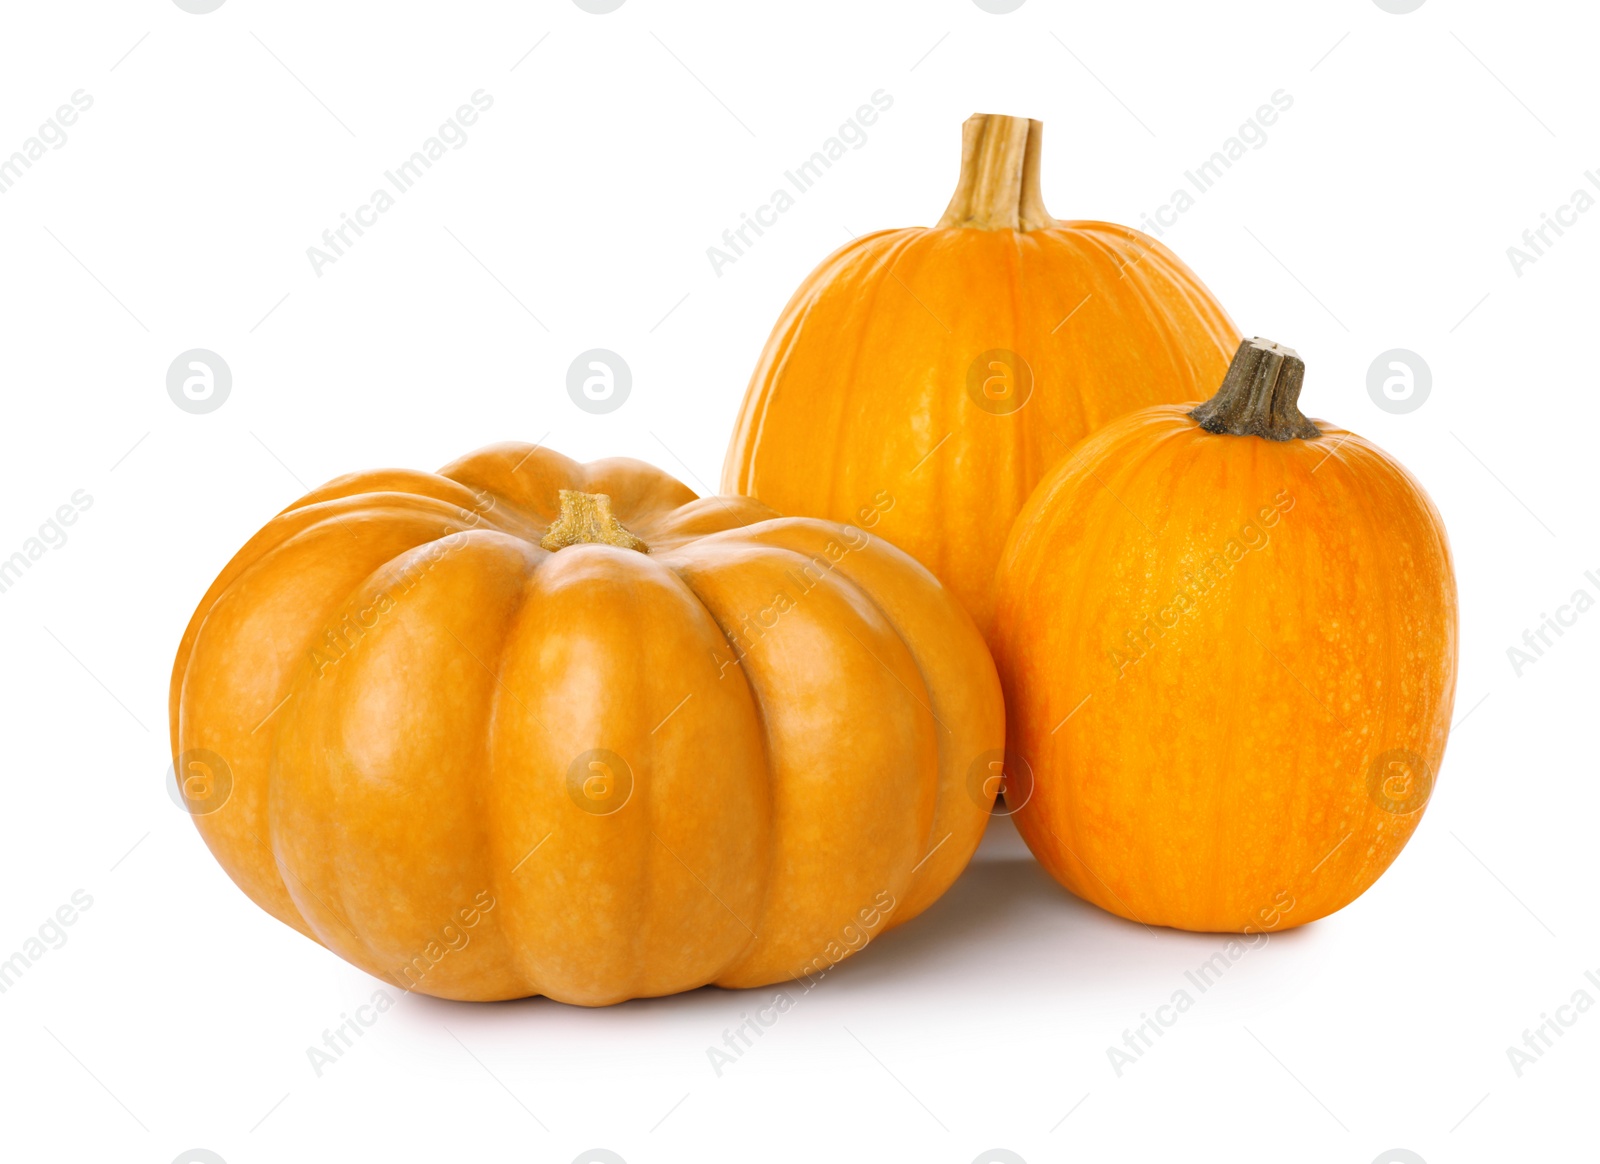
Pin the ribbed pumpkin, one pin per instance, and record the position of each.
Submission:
(950, 368)
(527, 726)
(1227, 637)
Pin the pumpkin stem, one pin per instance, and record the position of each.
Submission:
(1260, 395)
(586, 519)
(999, 184)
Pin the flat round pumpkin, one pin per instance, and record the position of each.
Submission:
(938, 373)
(1227, 637)
(527, 726)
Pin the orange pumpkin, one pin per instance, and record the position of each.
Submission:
(530, 727)
(1227, 637)
(946, 370)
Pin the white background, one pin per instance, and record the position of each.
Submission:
(177, 215)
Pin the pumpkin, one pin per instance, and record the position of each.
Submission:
(1227, 637)
(528, 726)
(945, 370)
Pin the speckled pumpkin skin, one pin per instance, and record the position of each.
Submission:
(1230, 664)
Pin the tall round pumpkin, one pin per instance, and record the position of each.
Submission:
(1227, 637)
(949, 368)
(530, 727)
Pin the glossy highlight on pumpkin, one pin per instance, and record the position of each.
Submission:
(694, 743)
(1229, 660)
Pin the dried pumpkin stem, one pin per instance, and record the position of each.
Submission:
(1260, 395)
(586, 519)
(999, 184)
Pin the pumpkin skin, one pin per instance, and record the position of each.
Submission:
(1229, 662)
(408, 693)
(890, 370)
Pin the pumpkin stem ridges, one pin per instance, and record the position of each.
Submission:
(586, 519)
(1260, 395)
(999, 184)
